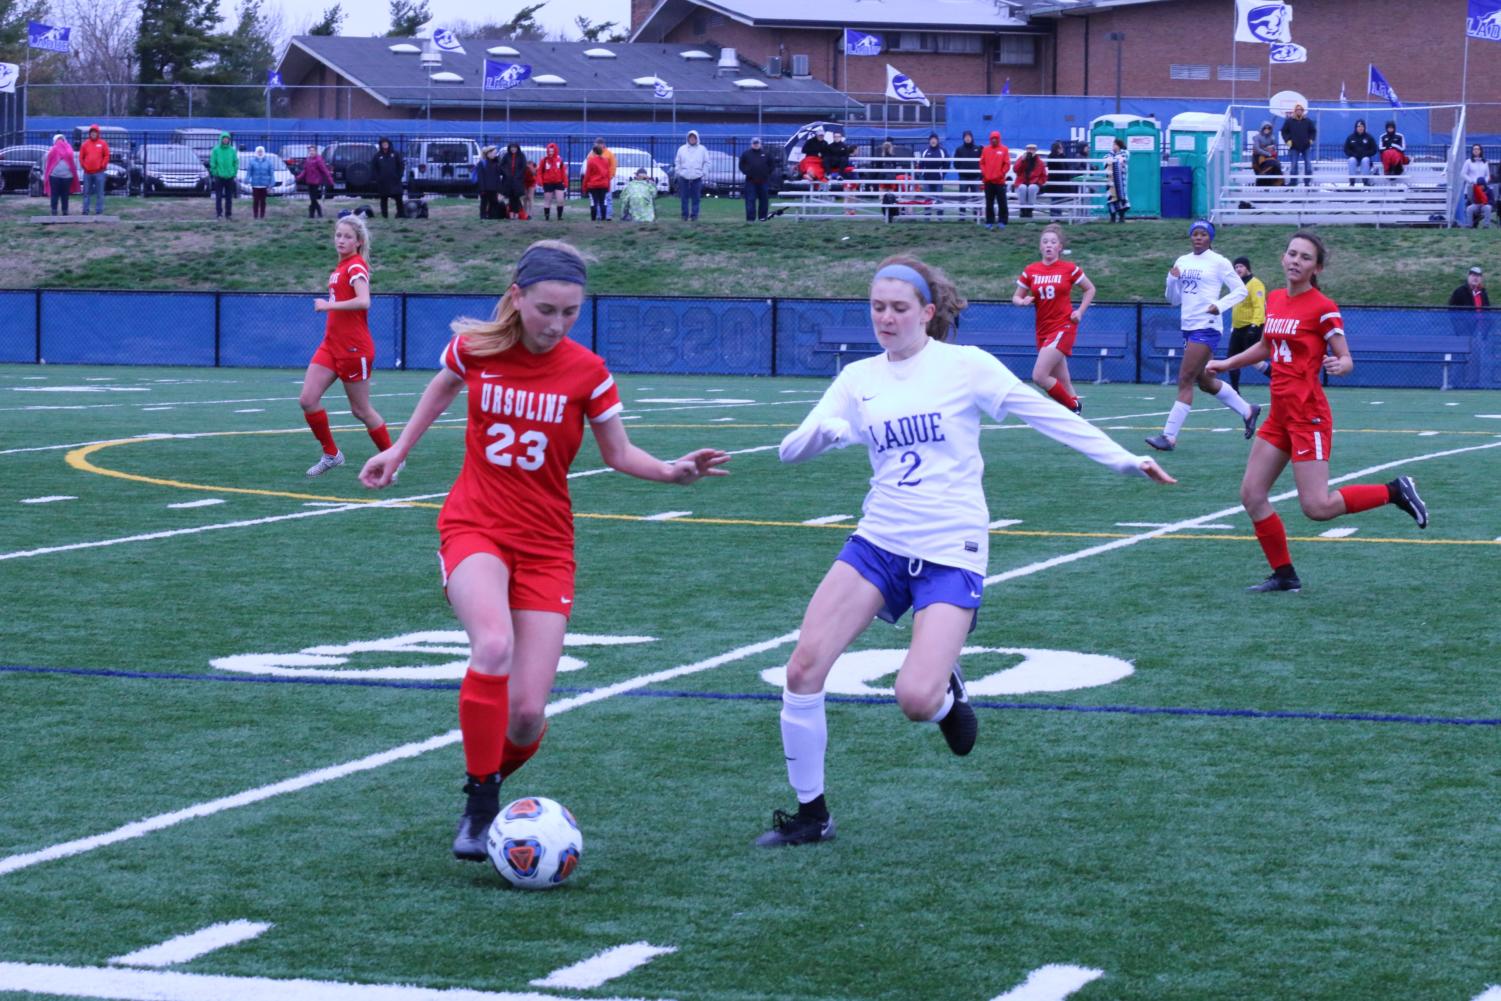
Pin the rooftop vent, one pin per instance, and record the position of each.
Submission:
(549, 80)
(750, 83)
(502, 50)
(431, 58)
(446, 76)
(598, 54)
(645, 81)
(728, 62)
(695, 54)
(405, 48)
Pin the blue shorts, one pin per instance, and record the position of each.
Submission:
(1209, 337)
(909, 583)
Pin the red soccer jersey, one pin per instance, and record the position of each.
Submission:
(1297, 329)
(346, 329)
(526, 423)
(1050, 285)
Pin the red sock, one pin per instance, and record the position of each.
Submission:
(318, 421)
(381, 437)
(484, 705)
(513, 756)
(1273, 539)
(1061, 395)
(1364, 496)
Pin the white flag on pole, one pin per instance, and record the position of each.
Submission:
(1288, 52)
(9, 73)
(1266, 23)
(445, 39)
(901, 87)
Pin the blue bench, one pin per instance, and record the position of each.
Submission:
(841, 341)
(1097, 344)
(1444, 349)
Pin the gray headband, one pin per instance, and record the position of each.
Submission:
(548, 264)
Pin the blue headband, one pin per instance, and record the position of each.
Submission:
(1203, 224)
(548, 264)
(902, 272)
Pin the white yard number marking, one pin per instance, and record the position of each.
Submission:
(1053, 982)
(535, 442)
(328, 660)
(1039, 671)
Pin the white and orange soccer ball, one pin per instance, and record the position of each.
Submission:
(535, 843)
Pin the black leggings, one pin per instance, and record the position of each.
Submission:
(401, 208)
(995, 197)
(314, 204)
(1240, 339)
(597, 203)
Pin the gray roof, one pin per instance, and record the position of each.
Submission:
(398, 80)
(912, 15)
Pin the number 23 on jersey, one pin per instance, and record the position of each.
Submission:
(501, 453)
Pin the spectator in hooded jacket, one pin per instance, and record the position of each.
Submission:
(60, 173)
(318, 178)
(260, 174)
(1264, 162)
(614, 165)
(552, 174)
(388, 173)
(93, 157)
(1299, 132)
(690, 165)
(811, 165)
(224, 175)
(755, 164)
(599, 174)
(933, 164)
(967, 166)
(1393, 150)
(995, 164)
(1478, 208)
(487, 180)
(513, 179)
(1031, 174)
(638, 199)
(1474, 175)
(1360, 148)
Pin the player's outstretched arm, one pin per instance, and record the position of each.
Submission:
(826, 427)
(1250, 356)
(1067, 427)
(440, 393)
(621, 455)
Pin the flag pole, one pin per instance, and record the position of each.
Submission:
(844, 43)
(1464, 74)
(1235, 50)
(26, 94)
(482, 136)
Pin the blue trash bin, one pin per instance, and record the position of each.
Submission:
(1177, 192)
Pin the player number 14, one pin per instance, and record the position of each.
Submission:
(1282, 352)
(505, 437)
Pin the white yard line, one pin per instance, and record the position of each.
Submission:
(667, 516)
(1051, 983)
(829, 519)
(1004, 522)
(206, 502)
(181, 403)
(186, 948)
(1343, 532)
(49, 499)
(608, 965)
(1159, 524)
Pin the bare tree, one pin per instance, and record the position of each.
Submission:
(103, 54)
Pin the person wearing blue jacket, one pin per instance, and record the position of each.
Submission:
(260, 174)
(934, 165)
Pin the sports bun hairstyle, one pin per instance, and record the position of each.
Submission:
(947, 302)
(500, 333)
(1057, 231)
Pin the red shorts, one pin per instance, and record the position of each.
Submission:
(811, 167)
(1305, 440)
(349, 366)
(537, 583)
(1063, 340)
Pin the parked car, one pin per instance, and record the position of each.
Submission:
(285, 182)
(17, 164)
(628, 160)
(350, 165)
(293, 156)
(167, 169)
(200, 141)
(442, 166)
(117, 174)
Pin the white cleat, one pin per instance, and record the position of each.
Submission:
(325, 463)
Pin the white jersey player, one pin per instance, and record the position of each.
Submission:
(923, 539)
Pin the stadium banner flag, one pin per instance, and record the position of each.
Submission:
(52, 37)
(273, 80)
(901, 87)
(1257, 21)
(9, 74)
(504, 76)
(1378, 86)
(1344, 102)
(1006, 88)
(447, 41)
(1288, 52)
(858, 43)
(662, 89)
(1484, 20)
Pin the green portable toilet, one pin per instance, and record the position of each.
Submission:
(1144, 164)
(1189, 137)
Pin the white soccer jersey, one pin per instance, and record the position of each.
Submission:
(1198, 286)
(920, 420)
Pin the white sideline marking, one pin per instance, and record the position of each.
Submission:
(79, 389)
(828, 519)
(186, 948)
(179, 403)
(323, 504)
(206, 502)
(307, 780)
(1451, 404)
(81, 444)
(667, 516)
(169, 985)
(1005, 522)
(1490, 993)
(1377, 403)
(1343, 532)
(1489, 417)
(50, 499)
(1159, 524)
(608, 965)
(1221, 430)
(1053, 982)
(148, 410)
(1427, 434)
(252, 410)
(721, 420)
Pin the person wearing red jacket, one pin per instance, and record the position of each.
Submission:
(552, 174)
(995, 164)
(1031, 174)
(598, 175)
(93, 156)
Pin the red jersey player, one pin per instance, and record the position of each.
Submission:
(1304, 337)
(347, 352)
(1047, 284)
(506, 530)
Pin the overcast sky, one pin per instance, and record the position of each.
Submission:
(372, 17)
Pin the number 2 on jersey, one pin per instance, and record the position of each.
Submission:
(907, 480)
(505, 437)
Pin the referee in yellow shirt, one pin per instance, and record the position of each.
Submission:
(1248, 316)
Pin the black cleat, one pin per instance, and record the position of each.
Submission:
(960, 726)
(1405, 496)
(479, 814)
(796, 829)
(1161, 442)
(1078, 406)
(1289, 582)
(1251, 420)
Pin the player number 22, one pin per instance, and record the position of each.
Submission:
(505, 437)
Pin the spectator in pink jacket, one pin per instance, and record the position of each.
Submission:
(61, 173)
(318, 178)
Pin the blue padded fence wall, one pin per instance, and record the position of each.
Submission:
(730, 336)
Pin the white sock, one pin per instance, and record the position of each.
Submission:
(943, 710)
(805, 736)
(1230, 398)
(1175, 419)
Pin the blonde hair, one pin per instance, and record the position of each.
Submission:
(1057, 231)
(361, 231)
(503, 329)
(947, 302)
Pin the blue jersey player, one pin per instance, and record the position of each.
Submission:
(923, 539)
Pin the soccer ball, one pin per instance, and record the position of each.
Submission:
(535, 843)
